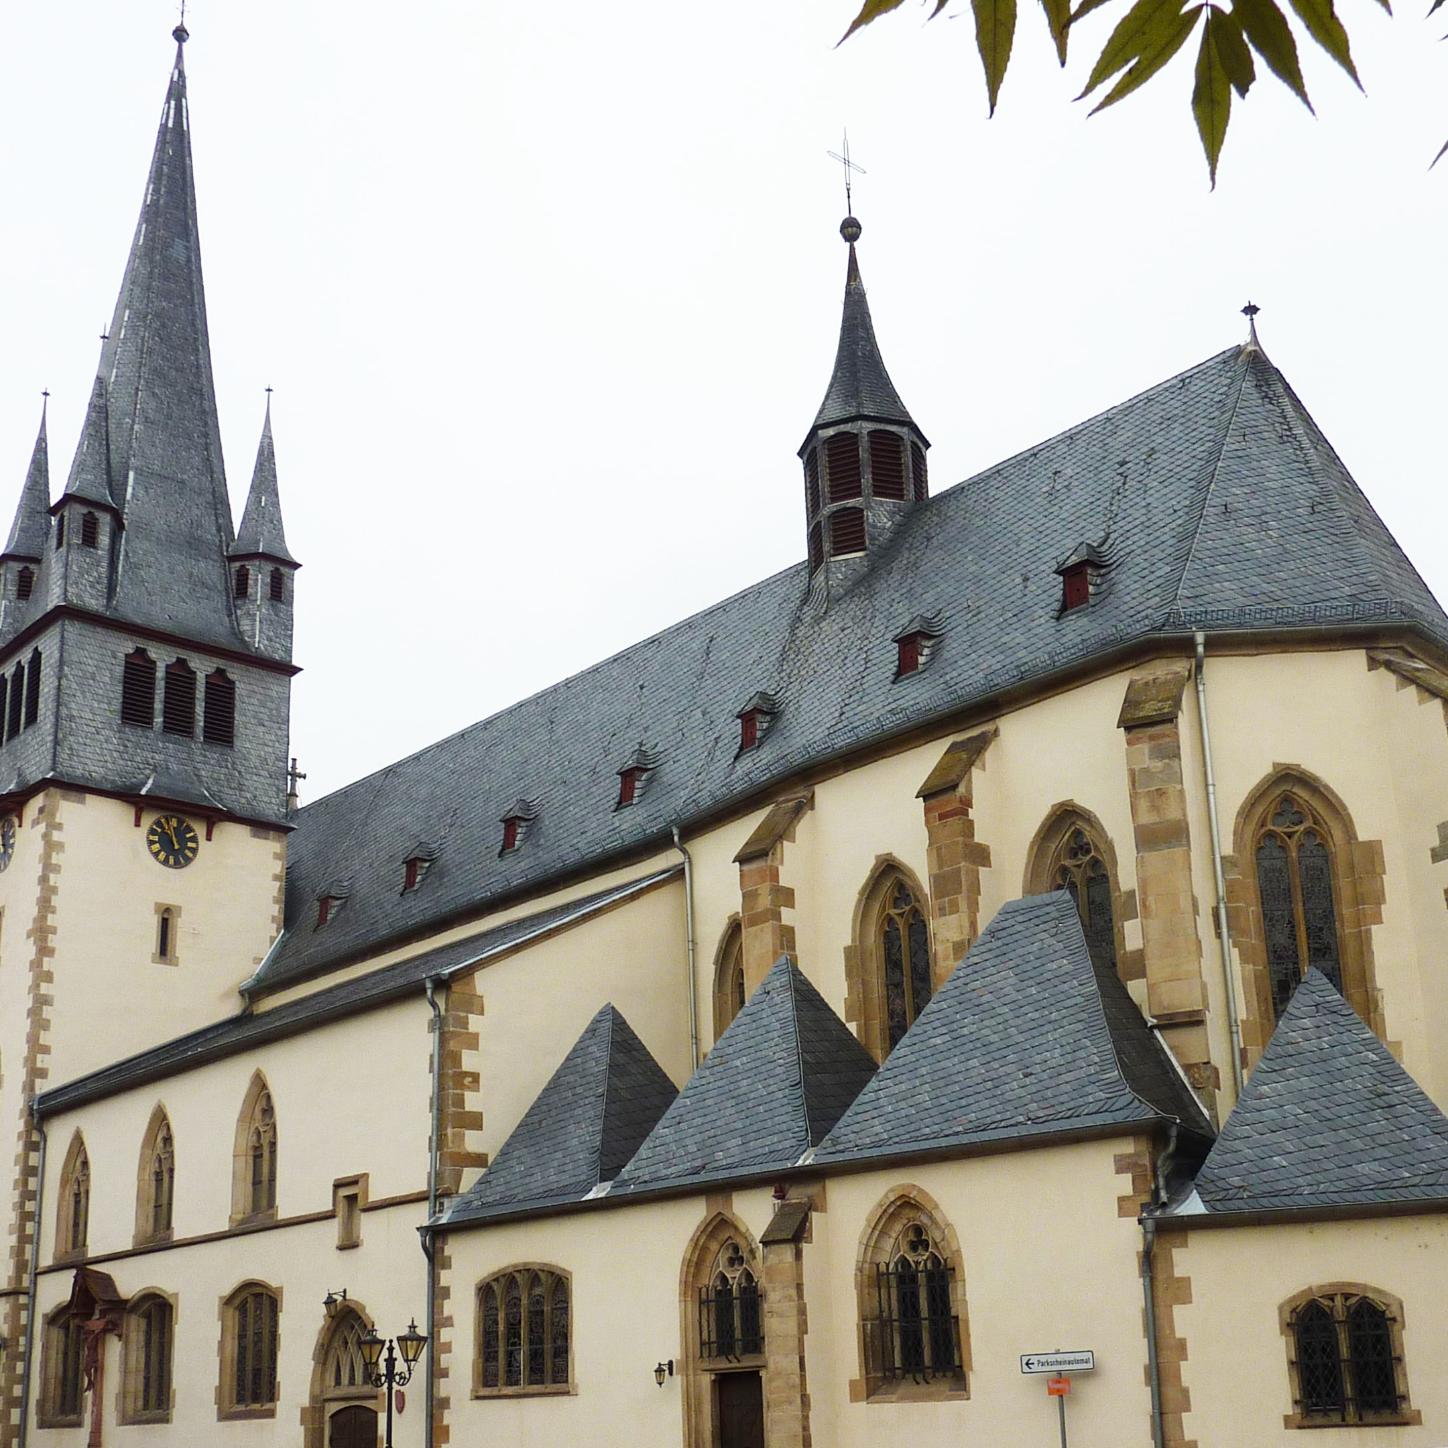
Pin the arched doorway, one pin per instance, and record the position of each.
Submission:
(354, 1426)
(343, 1408)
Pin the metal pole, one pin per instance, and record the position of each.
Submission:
(1061, 1403)
(390, 1373)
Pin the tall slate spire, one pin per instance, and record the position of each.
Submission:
(864, 457)
(90, 470)
(166, 472)
(32, 514)
(261, 534)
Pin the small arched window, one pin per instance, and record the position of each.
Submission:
(343, 1365)
(251, 1330)
(731, 1307)
(728, 979)
(218, 720)
(1345, 1357)
(15, 707)
(1295, 884)
(156, 1181)
(524, 1330)
(62, 1396)
(847, 531)
(24, 583)
(911, 1302)
(842, 467)
(887, 465)
(146, 1346)
(277, 585)
(1080, 871)
(178, 699)
(904, 954)
(138, 689)
(59, 531)
(254, 1170)
(32, 688)
(241, 581)
(72, 1227)
(90, 530)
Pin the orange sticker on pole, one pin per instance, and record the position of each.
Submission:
(1058, 1387)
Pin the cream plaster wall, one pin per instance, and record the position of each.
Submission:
(1236, 1367)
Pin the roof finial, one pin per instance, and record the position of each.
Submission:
(181, 35)
(1250, 312)
(849, 228)
(268, 404)
(44, 404)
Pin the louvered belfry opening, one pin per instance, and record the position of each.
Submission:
(178, 702)
(90, 530)
(241, 582)
(843, 476)
(218, 724)
(24, 583)
(887, 465)
(276, 586)
(138, 689)
(847, 531)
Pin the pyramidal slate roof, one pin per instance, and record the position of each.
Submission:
(261, 534)
(775, 1083)
(1327, 1119)
(860, 387)
(1296, 547)
(1027, 1038)
(31, 527)
(90, 470)
(589, 1119)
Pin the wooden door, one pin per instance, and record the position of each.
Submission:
(740, 1397)
(356, 1427)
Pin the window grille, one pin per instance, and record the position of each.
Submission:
(905, 956)
(731, 1309)
(178, 699)
(90, 531)
(24, 583)
(842, 467)
(847, 532)
(154, 1395)
(887, 465)
(138, 689)
(1348, 1369)
(241, 582)
(255, 1360)
(218, 724)
(916, 1333)
(812, 482)
(1081, 872)
(32, 688)
(1295, 885)
(345, 1366)
(524, 1324)
(917, 472)
(276, 586)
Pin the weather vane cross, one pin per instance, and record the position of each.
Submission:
(850, 168)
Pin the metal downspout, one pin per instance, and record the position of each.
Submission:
(689, 932)
(1148, 1231)
(1234, 1024)
(427, 1241)
(30, 1287)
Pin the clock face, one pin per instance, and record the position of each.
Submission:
(7, 840)
(172, 841)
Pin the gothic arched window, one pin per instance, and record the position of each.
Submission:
(523, 1332)
(1345, 1356)
(156, 1181)
(728, 979)
(146, 1346)
(251, 1323)
(731, 1315)
(72, 1228)
(911, 1300)
(1082, 873)
(904, 946)
(1293, 859)
(343, 1366)
(254, 1169)
(62, 1392)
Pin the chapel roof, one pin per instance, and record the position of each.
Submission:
(1227, 511)
(1327, 1119)
(1026, 1038)
(589, 1119)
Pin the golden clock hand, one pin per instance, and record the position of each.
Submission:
(171, 830)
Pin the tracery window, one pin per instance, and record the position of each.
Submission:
(1345, 1359)
(73, 1226)
(912, 1304)
(728, 979)
(251, 1329)
(1082, 873)
(904, 943)
(524, 1326)
(254, 1156)
(731, 1316)
(1295, 884)
(146, 1371)
(344, 1365)
(157, 1185)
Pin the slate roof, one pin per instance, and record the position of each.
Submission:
(1226, 511)
(1027, 1038)
(860, 387)
(1327, 1119)
(589, 1119)
(261, 534)
(776, 1081)
(249, 1029)
(31, 527)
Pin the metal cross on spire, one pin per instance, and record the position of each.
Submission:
(850, 167)
(1250, 312)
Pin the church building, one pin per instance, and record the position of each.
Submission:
(975, 983)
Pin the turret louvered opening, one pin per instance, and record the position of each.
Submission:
(847, 532)
(138, 689)
(90, 531)
(24, 584)
(241, 582)
(812, 482)
(816, 546)
(15, 705)
(277, 586)
(32, 688)
(843, 477)
(918, 474)
(218, 723)
(59, 531)
(887, 465)
(178, 702)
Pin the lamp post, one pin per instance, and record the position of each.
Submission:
(379, 1355)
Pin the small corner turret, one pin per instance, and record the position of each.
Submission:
(85, 521)
(262, 567)
(25, 547)
(864, 456)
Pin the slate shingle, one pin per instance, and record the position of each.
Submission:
(775, 1083)
(1025, 1039)
(596, 1109)
(1328, 1118)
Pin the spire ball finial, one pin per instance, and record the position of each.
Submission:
(850, 229)
(180, 35)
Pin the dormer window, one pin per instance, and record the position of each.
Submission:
(327, 907)
(1080, 574)
(418, 862)
(634, 776)
(755, 720)
(515, 824)
(915, 644)
(749, 730)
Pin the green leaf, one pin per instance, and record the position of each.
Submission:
(995, 29)
(870, 10)
(1211, 95)
(1326, 29)
(1153, 58)
(1236, 58)
(1138, 30)
(1058, 21)
(1087, 6)
(1266, 27)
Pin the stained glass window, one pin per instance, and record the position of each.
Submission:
(1082, 873)
(905, 958)
(523, 1326)
(1348, 1369)
(1295, 887)
(263, 1148)
(256, 1351)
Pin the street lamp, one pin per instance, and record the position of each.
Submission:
(380, 1356)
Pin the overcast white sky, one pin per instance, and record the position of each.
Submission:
(549, 292)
